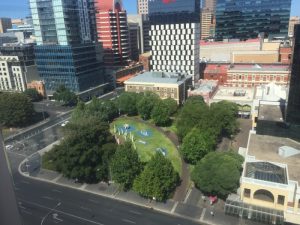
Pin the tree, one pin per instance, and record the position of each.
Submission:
(172, 105)
(193, 111)
(33, 94)
(125, 165)
(160, 114)
(158, 179)
(66, 96)
(15, 109)
(146, 104)
(196, 144)
(218, 173)
(127, 103)
(85, 152)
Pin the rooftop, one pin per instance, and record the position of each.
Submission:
(271, 112)
(207, 43)
(205, 86)
(228, 93)
(256, 67)
(158, 77)
(267, 148)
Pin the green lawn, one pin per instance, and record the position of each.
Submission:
(155, 140)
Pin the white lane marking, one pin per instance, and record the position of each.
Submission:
(85, 208)
(27, 212)
(19, 154)
(202, 214)
(187, 196)
(174, 207)
(47, 197)
(94, 201)
(135, 212)
(128, 221)
(55, 190)
(62, 212)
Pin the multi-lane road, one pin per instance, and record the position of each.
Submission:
(44, 203)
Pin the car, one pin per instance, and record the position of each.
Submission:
(9, 147)
(64, 123)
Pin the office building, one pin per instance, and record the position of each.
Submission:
(142, 22)
(145, 60)
(134, 40)
(65, 52)
(174, 36)
(5, 23)
(17, 67)
(208, 24)
(112, 31)
(7, 38)
(142, 7)
(293, 21)
(22, 32)
(293, 106)
(240, 19)
(164, 84)
(209, 4)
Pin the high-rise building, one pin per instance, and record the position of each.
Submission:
(142, 21)
(293, 20)
(134, 40)
(293, 106)
(5, 23)
(112, 31)
(209, 5)
(240, 19)
(208, 24)
(142, 6)
(174, 36)
(65, 52)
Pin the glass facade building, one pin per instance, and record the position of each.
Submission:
(293, 106)
(244, 19)
(66, 52)
(174, 36)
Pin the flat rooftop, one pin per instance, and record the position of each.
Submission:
(266, 148)
(271, 113)
(158, 77)
(227, 93)
(256, 67)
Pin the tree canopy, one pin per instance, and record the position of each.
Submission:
(196, 144)
(218, 173)
(158, 179)
(66, 96)
(146, 103)
(125, 165)
(160, 113)
(127, 103)
(85, 152)
(172, 105)
(33, 94)
(16, 110)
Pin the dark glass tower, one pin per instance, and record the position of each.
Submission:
(175, 35)
(244, 19)
(66, 52)
(293, 106)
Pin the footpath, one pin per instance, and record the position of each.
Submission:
(192, 207)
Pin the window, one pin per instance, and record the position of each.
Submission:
(247, 193)
(280, 199)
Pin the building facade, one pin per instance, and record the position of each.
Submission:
(65, 52)
(17, 67)
(293, 106)
(175, 35)
(142, 6)
(145, 60)
(39, 86)
(208, 24)
(209, 4)
(112, 31)
(165, 85)
(134, 40)
(5, 23)
(240, 19)
(293, 21)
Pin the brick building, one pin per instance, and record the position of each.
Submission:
(216, 72)
(39, 86)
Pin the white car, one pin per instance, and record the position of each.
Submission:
(9, 147)
(64, 123)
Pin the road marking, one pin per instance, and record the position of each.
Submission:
(55, 190)
(128, 221)
(202, 214)
(24, 182)
(174, 207)
(62, 212)
(85, 208)
(15, 153)
(47, 197)
(187, 196)
(135, 212)
(94, 201)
